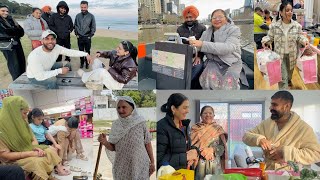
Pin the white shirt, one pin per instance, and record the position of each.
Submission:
(40, 62)
(285, 31)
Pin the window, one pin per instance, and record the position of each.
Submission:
(236, 118)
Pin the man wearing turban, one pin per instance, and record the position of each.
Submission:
(191, 27)
(46, 13)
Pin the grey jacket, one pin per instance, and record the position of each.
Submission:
(32, 27)
(226, 45)
(85, 25)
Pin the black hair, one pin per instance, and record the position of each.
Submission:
(257, 9)
(73, 122)
(84, 2)
(204, 108)
(35, 8)
(224, 13)
(285, 95)
(282, 6)
(4, 5)
(266, 11)
(175, 100)
(128, 46)
(36, 112)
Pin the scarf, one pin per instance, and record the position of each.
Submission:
(14, 130)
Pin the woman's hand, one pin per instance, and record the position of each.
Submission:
(195, 43)
(57, 146)
(196, 61)
(192, 157)
(40, 152)
(102, 139)
(207, 153)
(89, 59)
(152, 168)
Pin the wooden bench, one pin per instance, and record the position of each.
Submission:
(73, 81)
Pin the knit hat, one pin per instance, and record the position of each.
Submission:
(192, 10)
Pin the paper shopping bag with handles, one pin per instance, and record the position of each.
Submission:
(274, 71)
(308, 70)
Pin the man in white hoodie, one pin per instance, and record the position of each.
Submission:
(42, 67)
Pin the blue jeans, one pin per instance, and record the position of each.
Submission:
(196, 70)
(50, 83)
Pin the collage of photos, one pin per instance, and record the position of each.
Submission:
(159, 90)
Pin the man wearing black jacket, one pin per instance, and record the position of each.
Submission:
(61, 24)
(191, 27)
(84, 28)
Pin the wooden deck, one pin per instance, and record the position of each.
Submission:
(23, 83)
(297, 82)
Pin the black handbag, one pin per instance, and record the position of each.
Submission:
(6, 45)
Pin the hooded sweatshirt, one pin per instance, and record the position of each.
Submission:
(62, 25)
(33, 28)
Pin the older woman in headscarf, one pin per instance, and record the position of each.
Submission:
(129, 145)
(221, 45)
(209, 139)
(122, 68)
(19, 146)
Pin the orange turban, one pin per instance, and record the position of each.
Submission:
(46, 9)
(192, 10)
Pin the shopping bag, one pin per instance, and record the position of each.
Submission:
(308, 70)
(269, 64)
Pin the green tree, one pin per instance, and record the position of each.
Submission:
(141, 98)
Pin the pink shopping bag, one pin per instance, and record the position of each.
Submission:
(309, 70)
(274, 72)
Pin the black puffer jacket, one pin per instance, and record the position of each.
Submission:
(62, 25)
(9, 29)
(171, 143)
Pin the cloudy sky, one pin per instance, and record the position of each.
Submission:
(207, 6)
(110, 8)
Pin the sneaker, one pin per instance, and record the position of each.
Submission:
(94, 85)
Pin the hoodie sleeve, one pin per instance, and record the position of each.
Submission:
(231, 44)
(70, 25)
(52, 24)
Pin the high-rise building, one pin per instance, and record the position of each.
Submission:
(182, 7)
(164, 6)
(172, 8)
(154, 6)
(177, 3)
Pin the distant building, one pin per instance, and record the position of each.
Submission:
(163, 4)
(177, 3)
(248, 3)
(182, 7)
(172, 8)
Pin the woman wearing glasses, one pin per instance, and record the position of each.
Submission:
(221, 45)
(122, 68)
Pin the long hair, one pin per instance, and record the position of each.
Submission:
(282, 6)
(128, 46)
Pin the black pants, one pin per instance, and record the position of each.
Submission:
(46, 142)
(11, 172)
(16, 61)
(65, 43)
(84, 44)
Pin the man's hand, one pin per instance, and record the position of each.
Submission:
(196, 61)
(195, 43)
(65, 70)
(276, 154)
(89, 59)
(265, 144)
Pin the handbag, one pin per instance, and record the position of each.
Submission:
(6, 45)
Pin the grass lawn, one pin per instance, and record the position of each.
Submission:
(98, 43)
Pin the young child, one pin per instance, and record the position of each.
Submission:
(39, 130)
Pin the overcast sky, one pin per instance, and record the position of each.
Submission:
(207, 6)
(110, 8)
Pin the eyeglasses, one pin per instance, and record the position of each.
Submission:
(126, 43)
(217, 18)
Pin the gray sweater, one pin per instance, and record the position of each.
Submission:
(32, 27)
(226, 45)
(85, 25)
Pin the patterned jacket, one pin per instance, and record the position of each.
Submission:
(295, 36)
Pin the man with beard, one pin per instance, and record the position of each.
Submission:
(284, 136)
(84, 29)
(191, 27)
(61, 24)
(42, 67)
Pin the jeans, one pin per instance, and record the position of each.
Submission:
(65, 43)
(50, 83)
(196, 72)
(84, 44)
(16, 61)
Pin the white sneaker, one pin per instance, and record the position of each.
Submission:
(80, 72)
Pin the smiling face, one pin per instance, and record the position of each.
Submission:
(4, 12)
(84, 8)
(124, 109)
(181, 111)
(121, 51)
(49, 42)
(218, 19)
(279, 108)
(286, 13)
(207, 115)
